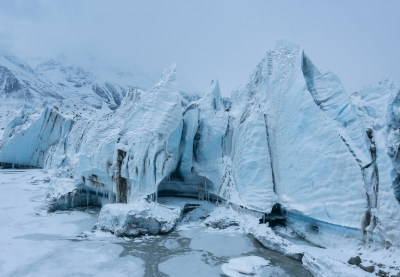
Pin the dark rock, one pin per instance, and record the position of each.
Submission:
(369, 269)
(382, 273)
(355, 260)
(369, 133)
(221, 224)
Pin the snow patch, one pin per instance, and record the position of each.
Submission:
(244, 265)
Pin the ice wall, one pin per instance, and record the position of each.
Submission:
(132, 150)
(302, 128)
(29, 143)
(377, 108)
(291, 135)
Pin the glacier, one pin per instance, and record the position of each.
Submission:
(291, 136)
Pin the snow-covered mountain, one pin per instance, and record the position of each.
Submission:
(55, 80)
(56, 83)
(292, 135)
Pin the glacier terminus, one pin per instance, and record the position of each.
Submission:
(290, 159)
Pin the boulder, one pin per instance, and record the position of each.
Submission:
(355, 260)
(139, 218)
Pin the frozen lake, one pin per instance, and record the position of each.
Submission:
(35, 243)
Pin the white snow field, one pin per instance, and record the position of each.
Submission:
(35, 243)
(291, 148)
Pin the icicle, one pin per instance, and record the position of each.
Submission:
(97, 192)
(263, 217)
(87, 198)
(114, 188)
(205, 188)
(72, 200)
(80, 197)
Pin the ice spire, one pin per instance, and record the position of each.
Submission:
(213, 96)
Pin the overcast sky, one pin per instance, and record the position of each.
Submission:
(358, 40)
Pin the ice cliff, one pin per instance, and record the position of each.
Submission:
(292, 135)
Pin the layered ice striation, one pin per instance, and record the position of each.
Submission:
(30, 144)
(377, 108)
(292, 135)
(303, 124)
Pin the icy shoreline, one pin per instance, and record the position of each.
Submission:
(38, 243)
(330, 260)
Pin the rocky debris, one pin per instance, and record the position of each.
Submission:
(382, 273)
(369, 269)
(221, 224)
(139, 218)
(355, 260)
(222, 218)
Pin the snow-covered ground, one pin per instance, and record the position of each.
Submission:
(36, 243)
(330, 261)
